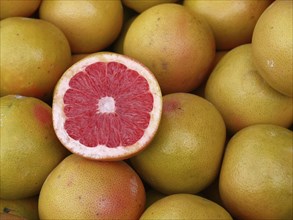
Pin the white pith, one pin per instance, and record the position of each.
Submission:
(106, 105)
(102, 151)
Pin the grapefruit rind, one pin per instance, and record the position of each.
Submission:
(103, 152)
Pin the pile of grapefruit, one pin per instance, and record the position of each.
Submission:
(147, 109)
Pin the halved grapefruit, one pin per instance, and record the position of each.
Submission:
(106, 106)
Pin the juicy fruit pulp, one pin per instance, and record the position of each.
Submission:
(102, 106)
(109, 109)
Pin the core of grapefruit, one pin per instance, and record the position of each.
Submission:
(107, 106)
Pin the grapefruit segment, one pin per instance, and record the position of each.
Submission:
(107, 106)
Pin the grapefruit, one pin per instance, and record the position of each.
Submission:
(79, 188)
(18, 8)
(89, 26)
(232, 22)
(141, 5)
(107, 107)
(34, 55)
(178, 160)
(272, 46)
(175, 45)
(117, 46)
(257, 173)
(185, 206)
(29, 147)
(242, 96)
(7, 216)
(27, 208)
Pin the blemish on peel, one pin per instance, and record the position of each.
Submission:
(270, 63)
(171, 106)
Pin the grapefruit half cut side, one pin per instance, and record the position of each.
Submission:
(106, 107)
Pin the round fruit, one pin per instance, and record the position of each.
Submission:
(232, 21)
(79, 188)
(7, 216)
(141, 5)
(89, 26)
(27, 208)
(34, 54)
(272, 46)
(178, 160)
(17, 8)
(242, 96)
(107, 107)
(179, 48)
(257, 173)
(29, 146)
(117, 46)
(185, 206)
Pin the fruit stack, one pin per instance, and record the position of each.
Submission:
(146, 109)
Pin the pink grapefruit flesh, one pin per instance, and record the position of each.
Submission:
(107, 107)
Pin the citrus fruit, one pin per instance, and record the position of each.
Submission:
(272, 46)
(241, 94)
(106, 106)
(231, 21)
(7, 216)
(141, 5)
(27, 208)
(79, 188)
(178, 160)
(256, 174)
(18, 8)
(117, 46)
(89, 25)
(29, 146)
(34, 54)
(175, 45)
(185, 206)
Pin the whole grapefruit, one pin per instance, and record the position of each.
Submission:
(257, 173)
(79, 188)
(175, 45)
(272, 46)
(29, 147)
(242, 96)
(178, 160)
(89, 26)
(34, 55)
(185, 206)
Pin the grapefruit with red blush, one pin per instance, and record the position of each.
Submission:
(79, 188)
